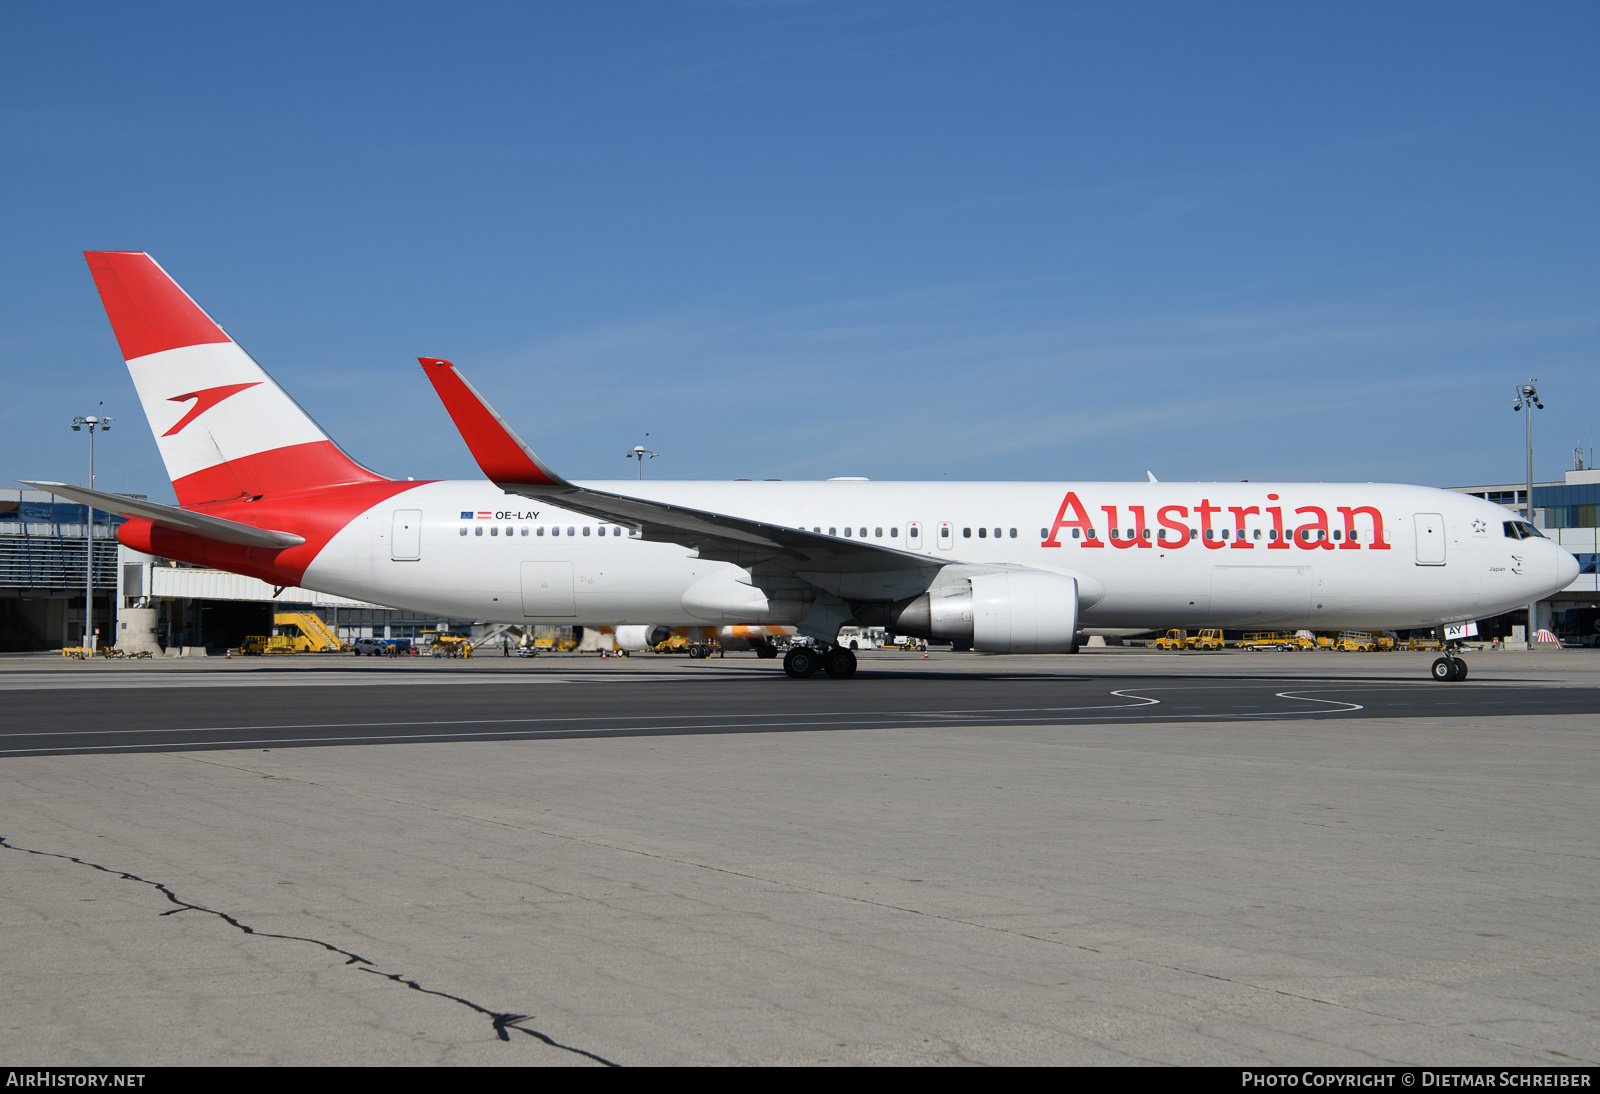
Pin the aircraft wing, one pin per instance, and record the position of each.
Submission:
(512, 465)
(179, 520)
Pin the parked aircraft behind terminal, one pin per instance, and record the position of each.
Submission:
(1009, 567)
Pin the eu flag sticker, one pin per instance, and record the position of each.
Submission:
(466, 516)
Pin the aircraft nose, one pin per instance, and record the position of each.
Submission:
(1566, 567)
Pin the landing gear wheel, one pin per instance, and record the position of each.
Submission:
(1461, 669)
(841, 664)
(801, 662)
(1449, 669)
(766, 650)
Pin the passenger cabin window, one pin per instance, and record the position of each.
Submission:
(966, 533)
(478, 531)
(1044, 533)
(1194, 533)
(894, 533)
(847, 533)
(585, 529)
(539, 531)
(571, 531)
(1014, 534)
(983, 533)
(833, 531)
(877, 533)
(864, 533)
(463, 529)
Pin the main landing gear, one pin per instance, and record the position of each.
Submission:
(1449, 669)
(804, 661)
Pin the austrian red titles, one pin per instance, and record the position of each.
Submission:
(1218, 527)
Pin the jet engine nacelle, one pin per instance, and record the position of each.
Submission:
(641, 638)
(1010, 612)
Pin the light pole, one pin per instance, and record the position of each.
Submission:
(1527, 399)
(101, 423)
(639, 452)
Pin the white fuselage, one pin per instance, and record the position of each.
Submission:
(466, 549)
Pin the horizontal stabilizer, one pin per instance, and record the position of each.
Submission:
(178, 520)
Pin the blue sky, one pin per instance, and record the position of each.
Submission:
(797, 240)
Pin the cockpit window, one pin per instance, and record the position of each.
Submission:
(1521, 529)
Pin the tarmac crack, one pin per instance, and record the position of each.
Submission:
(501, 1022)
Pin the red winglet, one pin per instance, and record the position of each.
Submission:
(500, 452)
(148, 311)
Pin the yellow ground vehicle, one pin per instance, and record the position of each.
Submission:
(554, 640)
(1356, 642)
(254, 645)
(1207, 640)
(1424, 645)
(451, 645)
(1172, 640)
(296, 632)
(1270, 640)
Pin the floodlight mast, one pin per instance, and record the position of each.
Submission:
(96, 423)
(641, 453)
(1527, 399)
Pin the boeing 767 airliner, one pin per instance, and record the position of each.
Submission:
(1009, 567)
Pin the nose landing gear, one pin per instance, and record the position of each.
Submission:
(1449, 669)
